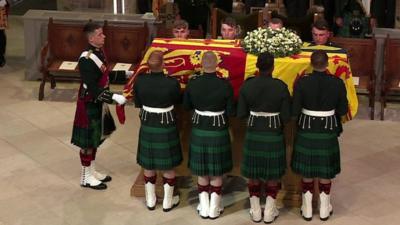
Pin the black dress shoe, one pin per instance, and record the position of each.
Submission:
(101, 186)
(2, 62)
(106, 179)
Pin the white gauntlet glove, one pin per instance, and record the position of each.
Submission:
(120, 99)
(128, 73)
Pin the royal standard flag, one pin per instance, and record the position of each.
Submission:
(182, 59)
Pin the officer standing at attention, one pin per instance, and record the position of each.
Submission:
(93, 122)
(319, 102)
(265, 101)
(210, 156)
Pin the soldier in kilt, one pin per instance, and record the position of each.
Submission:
(265, 101)
(210, 155)
(354, 18)
(159, 146)
(4, 8)
(319, 101)
(93, 122)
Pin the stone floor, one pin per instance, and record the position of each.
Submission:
(40, 168)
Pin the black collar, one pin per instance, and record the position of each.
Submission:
(210, 74)
(93, 48)
(157, 73)
(319, 73)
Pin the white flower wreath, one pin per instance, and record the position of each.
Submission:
(279, 42)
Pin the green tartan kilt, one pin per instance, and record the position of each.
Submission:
(264, 155)
(210, 152)
(159, 148)
(89, 137)
(316, 155)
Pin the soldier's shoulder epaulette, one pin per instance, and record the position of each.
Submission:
(88, 54)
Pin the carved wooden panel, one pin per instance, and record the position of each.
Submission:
(392, 64)
(125, 44)
(66, 41)
(361, 53)
(164, 32)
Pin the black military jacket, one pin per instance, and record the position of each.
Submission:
(208, 92)
(319, 91)
(91, 75)
(329, 43)
(156, 90)
(264, 94)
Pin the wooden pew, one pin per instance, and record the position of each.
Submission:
(125, 43)
(390, 85)
(361, 53)
(66, 41)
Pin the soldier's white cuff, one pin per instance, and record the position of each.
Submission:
(128, 73)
